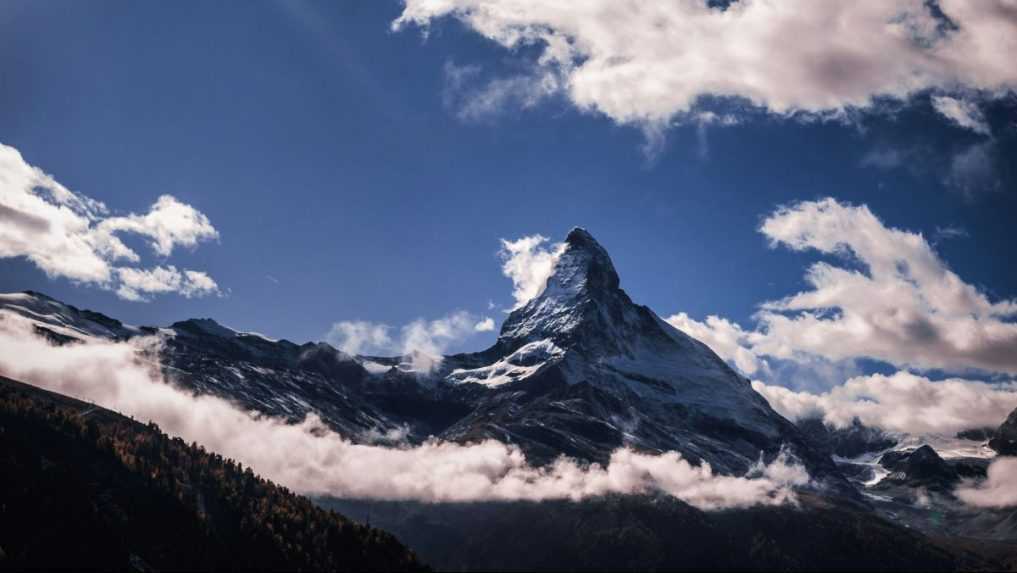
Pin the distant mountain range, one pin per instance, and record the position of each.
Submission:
(579, 370)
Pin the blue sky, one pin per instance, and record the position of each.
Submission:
(334, 158)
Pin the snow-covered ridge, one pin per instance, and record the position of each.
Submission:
(579, 370)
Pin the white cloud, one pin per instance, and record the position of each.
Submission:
(309, 458)
(963, 113)
(528, 263)
(422, 342)
(360, 337)
(473, 99)
(72, 236)
(894, 300)
(168, 223)
(902, 402)
(999, 489)
(724, 337)
(649, 63)
(135, 283)
(903, 306)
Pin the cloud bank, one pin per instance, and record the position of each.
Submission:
(72, 236)
(905, 306)
(651, 63)
(892, 299)
(902, 402)
(310, 458)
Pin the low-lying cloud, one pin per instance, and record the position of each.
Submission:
(311, 459)
(72, 236)
(902, 402)
(999, 489)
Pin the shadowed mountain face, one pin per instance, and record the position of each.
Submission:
(1004, 440)
(579, 370)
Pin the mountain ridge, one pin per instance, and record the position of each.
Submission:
(579, 370)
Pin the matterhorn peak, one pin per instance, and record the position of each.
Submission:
(581, 300)
(583, 264)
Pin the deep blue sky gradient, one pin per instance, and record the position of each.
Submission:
(318, 143)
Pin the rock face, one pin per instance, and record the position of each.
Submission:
(579, 370)
(849, 442)
(922, 467)
(1004, 440)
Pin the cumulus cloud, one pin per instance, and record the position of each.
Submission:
(168, 223)
(999, 489)
(72, 236)
(528, 262)
(902, 305)
(310, 458)
(902, 402)
(421, 342)
(485, 325)
(648, 64)
(963, 113)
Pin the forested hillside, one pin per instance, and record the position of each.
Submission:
(84, 487)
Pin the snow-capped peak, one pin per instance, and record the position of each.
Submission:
(583, 266)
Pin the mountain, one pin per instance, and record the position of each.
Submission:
(579, 370)
(1004, 439)
(925, 468)
(848, 442)
(86, 488)
(582, 370)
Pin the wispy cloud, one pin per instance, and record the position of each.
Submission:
(972, 169)
(474, 98)
(421, 341)
(962, 113)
